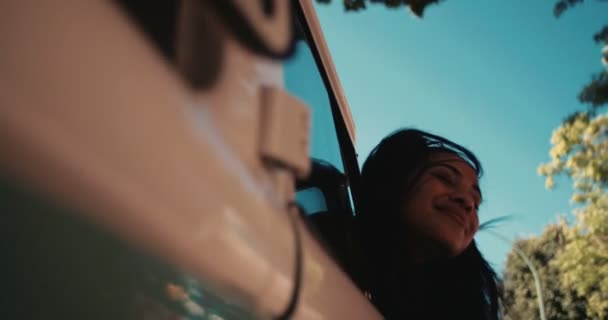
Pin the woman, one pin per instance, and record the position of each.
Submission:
(420, 196)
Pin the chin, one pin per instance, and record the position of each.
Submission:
(455, 251)
(453, 243)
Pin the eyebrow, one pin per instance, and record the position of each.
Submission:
(458, 173)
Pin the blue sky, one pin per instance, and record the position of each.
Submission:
(495, 76)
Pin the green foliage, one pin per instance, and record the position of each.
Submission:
(580, 151)
(563, 5)
(595, 92)
(601, 36)
(519, 293)
(584, 260)
(575, 275)
(416, 6)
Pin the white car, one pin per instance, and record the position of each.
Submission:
(149, 158)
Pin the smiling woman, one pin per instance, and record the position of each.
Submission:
(442, 206)
(420, 201)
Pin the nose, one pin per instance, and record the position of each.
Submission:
(463, 200)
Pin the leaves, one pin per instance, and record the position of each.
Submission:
(601, 36)
(584, 260)
(596, 91)
(520, 296)
(580, 151)
(563, 5)
(416, 6)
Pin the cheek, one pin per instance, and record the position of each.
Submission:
(422, 195)
(416, 206)
(475, 223)
(474, 227)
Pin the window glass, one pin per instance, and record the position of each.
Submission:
(312, 200)
(302, 79)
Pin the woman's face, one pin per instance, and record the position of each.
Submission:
(441, 210)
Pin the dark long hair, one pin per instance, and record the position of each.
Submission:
(462, 287)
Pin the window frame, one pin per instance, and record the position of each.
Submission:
(347, 149)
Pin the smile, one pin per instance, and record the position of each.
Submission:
(456, 216)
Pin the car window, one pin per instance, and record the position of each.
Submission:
(303, 80)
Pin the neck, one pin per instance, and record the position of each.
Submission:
(419, 251)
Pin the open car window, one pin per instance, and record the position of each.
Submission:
(70, 268)
(303, 80)
(326, 190)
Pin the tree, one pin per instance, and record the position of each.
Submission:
(416, 6)
(580, 151)
(583, 262)
(519, 293)
(595, 92)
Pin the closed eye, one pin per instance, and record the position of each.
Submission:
(445, 176)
